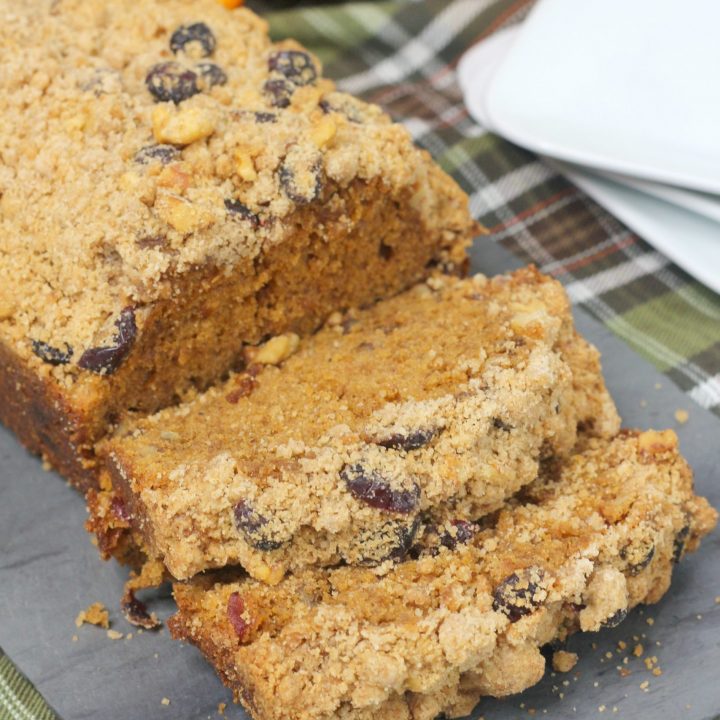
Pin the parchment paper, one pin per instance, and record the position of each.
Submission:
(49, 571)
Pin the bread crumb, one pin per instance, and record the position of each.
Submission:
(621, 645)
(74, 638)
(644, 685)
(563, 661)
(165, 701)
(601, 708)
(657, 672)
(221, 708)
(682, 416)
(650, 621)
(95, 614)
(114, 634)
(699, 617)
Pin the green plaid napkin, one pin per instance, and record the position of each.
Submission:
(403, 55)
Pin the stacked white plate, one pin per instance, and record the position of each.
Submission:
(622, 98)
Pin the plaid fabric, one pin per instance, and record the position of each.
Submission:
(402, 54)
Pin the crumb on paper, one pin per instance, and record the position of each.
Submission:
(682, 416)
(95, 614)
(165, 701)
(114, 635)
(564, 661)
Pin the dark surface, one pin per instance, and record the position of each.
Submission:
(49, 571)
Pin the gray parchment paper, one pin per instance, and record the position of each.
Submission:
(49, 571)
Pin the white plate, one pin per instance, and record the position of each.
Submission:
(475, 73)
(705, 204)
(690, 240)
(628, 87)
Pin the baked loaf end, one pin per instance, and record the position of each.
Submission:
(441, 400)
(174, 186)
(593, 537)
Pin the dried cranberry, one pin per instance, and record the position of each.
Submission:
(679, 543)
(372, 488)
(237, 209)
(255, 527)
(615, 619)
(638, 556)
(235, 610)
(499, 424)
(119, 509)
(164, 154)
(464, 532)
(288, 176)
(295, 65)
(170, 81)
(520, 593)
(211, 74)
(279, 92)
(198, 33)
(265, 117)
(411, 441)
(352, 109)
(136, 612)
(106, 360)
(391, 541)
(52, 355)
